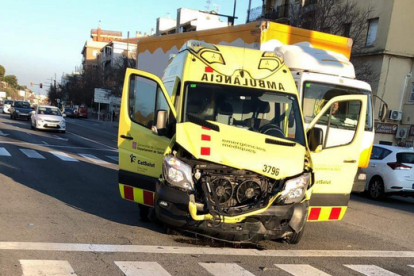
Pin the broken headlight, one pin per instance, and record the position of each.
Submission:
(295, 188)
(177, 173)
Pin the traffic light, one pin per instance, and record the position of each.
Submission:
(31, 84)
(40, 85)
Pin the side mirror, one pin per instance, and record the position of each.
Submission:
(160, 128)
(384, 113)
(315, 139)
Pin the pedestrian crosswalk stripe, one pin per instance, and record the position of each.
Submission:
(115, 158)
(301, 270)
(32, 153)
(63, 156)
(225, 269)
(4, 152)
(47, 268)
(142, 269)
(93, 158)
(371, 270)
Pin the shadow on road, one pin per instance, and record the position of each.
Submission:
(405, 204)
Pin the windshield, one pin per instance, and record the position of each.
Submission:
(8, 102)
(22, 104)
(49, 111)
(316, 95)
(270, 113)
(405, 157)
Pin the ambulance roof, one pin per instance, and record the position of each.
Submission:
(304, 57)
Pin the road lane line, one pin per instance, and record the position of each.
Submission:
(115, 158)
(4, 152)
(93, 158)
(142, 269)
(157, 249)
(63, 156)
(90, 140)
(219, 269)
(301, 270)
(32, 154)
(371, 270)
(56, 146)
(46, 267)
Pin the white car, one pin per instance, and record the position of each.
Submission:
(6, 106)
(390, 172)
(48, 117)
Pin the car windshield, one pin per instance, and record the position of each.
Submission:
(8, 102)
(22, 104)
(316, 95)
(49, 111)
(270, 113)
(405, 157)
(68, 109)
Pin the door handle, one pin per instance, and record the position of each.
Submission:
(349, 161)
(127, 137)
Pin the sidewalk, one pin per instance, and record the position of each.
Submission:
(94, 118)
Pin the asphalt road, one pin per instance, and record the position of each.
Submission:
(61, 214)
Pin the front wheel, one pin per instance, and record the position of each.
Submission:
(144, 212)
(295, 237)
(376, 189)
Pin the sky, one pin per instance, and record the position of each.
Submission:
(41, 38)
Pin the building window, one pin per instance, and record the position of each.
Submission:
(411, 98)
(372, 31)
(347, 29)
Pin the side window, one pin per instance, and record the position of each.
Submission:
(385, 153)
(376, 153)
(142, 97)
(339, 123)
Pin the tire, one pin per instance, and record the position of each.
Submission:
(63, 131)
(11, 117)
(31, 126)
(376, 188)
(295, 237)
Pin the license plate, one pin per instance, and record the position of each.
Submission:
(52, 125)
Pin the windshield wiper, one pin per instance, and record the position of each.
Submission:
(201, 122)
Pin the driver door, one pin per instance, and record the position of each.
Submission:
(141, 151)
(335, 160)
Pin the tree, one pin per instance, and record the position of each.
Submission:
(115, 74)
(339, 17)
(11, 80)
(2, 72)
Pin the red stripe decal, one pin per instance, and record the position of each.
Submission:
(205, 137)
(129, 193)
(208, 70)
(148, 198)
(314, 214)
(335, 212)
(205, 151)
(206, 128)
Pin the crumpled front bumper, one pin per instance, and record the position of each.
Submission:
(272, 222)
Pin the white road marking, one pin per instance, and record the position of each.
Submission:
(156, 249)
(301, 270)
(59, 138)
(3, 134)
(28, 133)
(371, 270)
(46, 268)
(63, 156)
(4, 152)
(142, 269)
(90, 140)
(115, 158)
(32, 153)
(218, 269)
(411, 266)
(93, 158)
(56, 146)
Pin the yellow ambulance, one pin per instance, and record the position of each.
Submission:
(219, 146)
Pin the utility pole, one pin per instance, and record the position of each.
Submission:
(234, 12)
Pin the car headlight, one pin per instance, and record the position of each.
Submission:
(177, 173)
(295, 188)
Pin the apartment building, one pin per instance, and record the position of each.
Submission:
(388, 48)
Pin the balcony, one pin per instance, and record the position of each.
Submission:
(279, 14)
